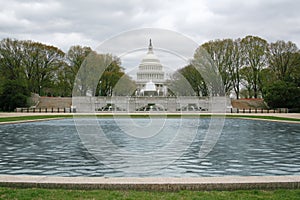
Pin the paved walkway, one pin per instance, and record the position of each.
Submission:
(157, 184)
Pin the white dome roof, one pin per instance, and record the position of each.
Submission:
(150, 58)
(150, 69)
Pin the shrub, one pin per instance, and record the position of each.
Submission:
(14, 94)
(282, 95)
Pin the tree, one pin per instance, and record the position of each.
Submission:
(282, 94)
(42, 63)
(74, 58)
(283, 59)
(52, 59)
(179, 85)
(237, 62)
(246, 74)
(31, 59)
(221, 52)
(88, 75)
(268, 77)
(295, 74)
(11, 57)
(190, 76)
(98, 75)
(204, 64)
(124, 87)
(14, 94)
(32, 62)
(255, 51)
(110, 77)
(62, 85)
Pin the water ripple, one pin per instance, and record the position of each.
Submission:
(245, 148)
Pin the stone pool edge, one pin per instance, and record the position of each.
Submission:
(153, 184)
(226, 115)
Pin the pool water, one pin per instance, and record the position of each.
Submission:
(245, 148)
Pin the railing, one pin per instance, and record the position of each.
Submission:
(46, 110)
(260, 110)
(73, 110)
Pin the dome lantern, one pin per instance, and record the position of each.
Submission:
(150, 48)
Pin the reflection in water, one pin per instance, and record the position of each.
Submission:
(246, 148)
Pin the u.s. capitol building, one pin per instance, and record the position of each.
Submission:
(151, 94)
(151, 76)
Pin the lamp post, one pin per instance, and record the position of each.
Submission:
(100, 88)
(40, 89)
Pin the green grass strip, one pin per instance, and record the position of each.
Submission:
(38, 193)
(264, 117)
(33, 117)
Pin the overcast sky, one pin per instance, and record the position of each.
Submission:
(90, 22)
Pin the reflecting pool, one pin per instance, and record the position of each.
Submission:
(245, 148)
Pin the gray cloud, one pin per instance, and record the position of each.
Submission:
(66, 23)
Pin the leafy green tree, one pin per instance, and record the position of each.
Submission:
(246, 74)
(209, 71)
(74, 58)
(29, 61)
(11, 58)
(42, 63)
(31, 58)
(237, 62)
(52, 59)
(295, 74)
(14, 94)
(191, 75)
(178, 85)
(63, 85)
(283, 59)
(268, 77)
(282, 94)
(124, 87)
(221, 52)
(110, 77)
(88, 77)
(255, 52)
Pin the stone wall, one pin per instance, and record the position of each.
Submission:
(137, 104)
(155, 104)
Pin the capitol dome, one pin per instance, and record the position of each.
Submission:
(150, 68)
(150, 75)
(150, 58)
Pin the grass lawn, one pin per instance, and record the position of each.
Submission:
(33, 117)
(264, 117)
(37, 193)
